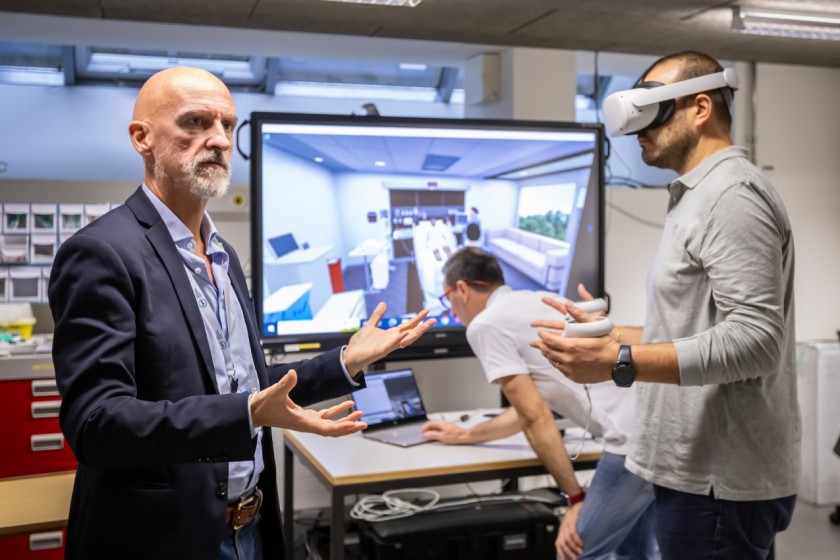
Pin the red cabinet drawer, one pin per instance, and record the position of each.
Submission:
(34, 447)
(28, 399)
(48, 545)
(27, 389)
(29, 410)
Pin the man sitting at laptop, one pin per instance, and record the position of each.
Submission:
(617, 512)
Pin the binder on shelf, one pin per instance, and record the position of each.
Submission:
(93, 211)
(15, 217)
(44, 218)
(4, 285)
(42, 248)
(71, 217)
(45, 282)
(24, 284)
(14, 248)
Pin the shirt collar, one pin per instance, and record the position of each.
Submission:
(180, 233)
(497, 294)
(699, 172)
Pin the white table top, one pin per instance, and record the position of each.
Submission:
(300, 256)
(354, 459)
(284, 297)
(368, 247)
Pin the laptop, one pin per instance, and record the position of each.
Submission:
(393, 409)
(283, 244)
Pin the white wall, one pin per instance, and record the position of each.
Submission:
(496, 201)
(358, 194)
(299, 197)
(633, 228)
(798, 148)
(533, 84)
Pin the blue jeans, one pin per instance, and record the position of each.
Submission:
(694, 527)
(618, 514)
(244, 544)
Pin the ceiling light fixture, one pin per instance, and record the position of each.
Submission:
(413, 66)
(406, 3)
(759, 21)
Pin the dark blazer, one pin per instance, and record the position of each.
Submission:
(140, 408)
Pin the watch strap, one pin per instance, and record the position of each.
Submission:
(625, 356)
(577, 498)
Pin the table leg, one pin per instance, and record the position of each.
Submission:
(368, 280)
(337, 526)
(288, 502)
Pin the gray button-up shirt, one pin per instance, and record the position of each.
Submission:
(721, 288)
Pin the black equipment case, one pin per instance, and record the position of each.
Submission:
(506, 531)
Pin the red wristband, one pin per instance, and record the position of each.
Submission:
(577, 498)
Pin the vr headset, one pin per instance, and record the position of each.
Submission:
(650, 104)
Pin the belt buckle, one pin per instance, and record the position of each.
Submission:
(243, 503)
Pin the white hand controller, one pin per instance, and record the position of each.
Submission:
(599, 326)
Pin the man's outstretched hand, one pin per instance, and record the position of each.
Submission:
(370, 343)
(273, 407)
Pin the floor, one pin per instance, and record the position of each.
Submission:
(811, 536)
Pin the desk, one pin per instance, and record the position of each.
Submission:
(355, 465)
(35, 503)
(299, 267)
(289, 303)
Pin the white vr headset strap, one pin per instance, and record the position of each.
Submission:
(645, 97)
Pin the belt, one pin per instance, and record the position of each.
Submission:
(244, 511)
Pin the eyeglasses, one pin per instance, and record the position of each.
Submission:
(444, 299)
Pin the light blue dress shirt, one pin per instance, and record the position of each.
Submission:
(243, 475)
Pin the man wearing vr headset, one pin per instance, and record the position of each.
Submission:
(718, 428)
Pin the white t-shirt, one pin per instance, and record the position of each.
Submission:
(500, 336)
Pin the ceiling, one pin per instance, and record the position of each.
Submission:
(652, 27)
(432, 154)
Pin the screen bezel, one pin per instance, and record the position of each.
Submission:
(439, 342)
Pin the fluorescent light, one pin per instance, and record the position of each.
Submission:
(319, 159)
(135, 63)
(356, 91)
(379, 163)
(406, 3)
(413, 66)
(759, 21)
(31, 76)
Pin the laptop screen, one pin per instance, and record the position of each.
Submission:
(390, 398)
(283, 244)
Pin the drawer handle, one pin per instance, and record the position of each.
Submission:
(46, 442)
(44, 388)
(45, 409)
(46, 541)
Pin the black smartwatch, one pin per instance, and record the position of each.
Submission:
(623, 373)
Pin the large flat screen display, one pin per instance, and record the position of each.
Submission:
(351, 211)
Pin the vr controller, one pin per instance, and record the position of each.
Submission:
(651, 104)
(599, 326)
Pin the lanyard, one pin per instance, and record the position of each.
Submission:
(222, 336)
